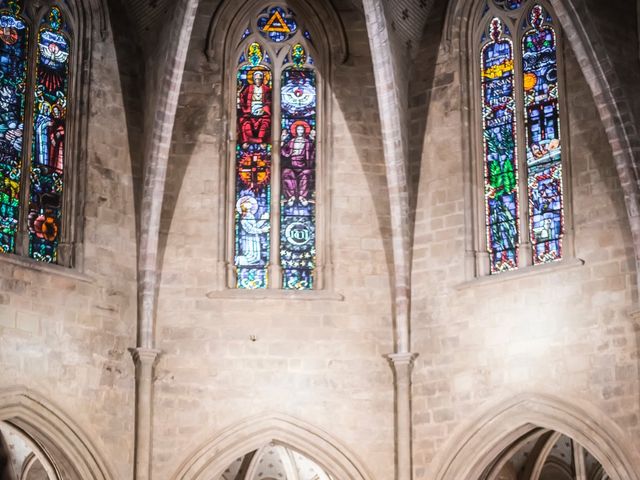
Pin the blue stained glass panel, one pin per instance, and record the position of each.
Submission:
(543, 139)
(49, 139)
(14, 35)
(277, 24)
(500, 154)
(298, 192)
(509, 4)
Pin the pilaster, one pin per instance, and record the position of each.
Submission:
(402, 364)
(145, 360)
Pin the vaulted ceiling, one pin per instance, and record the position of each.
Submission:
(406, 17)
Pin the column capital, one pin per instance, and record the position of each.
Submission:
(144, 356)
(402, 359)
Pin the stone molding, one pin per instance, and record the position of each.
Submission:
(214, 456)
(480, 439)
(144, 356)
(68, 448)
(401, 359)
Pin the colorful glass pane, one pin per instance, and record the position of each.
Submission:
(298, 155)
(253, 172)
(14, 35)
(277, 24)
(49, 146)
(500, 156)
(542, 120)
(509, 4)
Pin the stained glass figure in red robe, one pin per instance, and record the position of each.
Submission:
(254, 103)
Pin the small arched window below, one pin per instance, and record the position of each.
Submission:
(35, 52)
(522, 144)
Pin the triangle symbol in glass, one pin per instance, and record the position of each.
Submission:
(276, 24)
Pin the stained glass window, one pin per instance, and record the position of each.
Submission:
(509, 4)
(253, 170)
(277, 24)
(14, 37)
(500, 154)
(49, 132)
(275, 53)
(298, 154)
(520, 93)
(542, 120)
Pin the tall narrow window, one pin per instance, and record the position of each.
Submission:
(275, 187)
(500, 155)
(520, 100)
(14, 45)
(298, 155)
(542, 119)
(49, 127)
(34, 84)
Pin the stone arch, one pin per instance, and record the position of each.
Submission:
(215, 455)
(329, 49)
(66, 446)
(321, 16)
(606, 88)
(477, 442)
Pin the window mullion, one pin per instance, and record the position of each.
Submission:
(22, 245)
(275, 270)
(524, 240)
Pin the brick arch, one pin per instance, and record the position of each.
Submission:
(607, 90)
(477, 442)
(70, 451)
(213, 457)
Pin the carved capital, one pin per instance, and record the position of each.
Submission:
(144, 356)
(399, 360)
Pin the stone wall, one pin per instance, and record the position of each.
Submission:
(564, 330)
(64, 334)
(318, 360)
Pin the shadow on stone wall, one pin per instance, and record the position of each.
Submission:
(422, 86)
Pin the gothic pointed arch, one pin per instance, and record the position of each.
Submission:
(69, 449)
(582, 37)
(477, 442)
(212, 458)
(44, 139)
(277, 61)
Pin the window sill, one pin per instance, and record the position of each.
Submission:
(48, 268)
(274, 294)
(525, 272)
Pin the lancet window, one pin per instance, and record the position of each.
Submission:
(275, 154)
(522, 149)
(35, 51)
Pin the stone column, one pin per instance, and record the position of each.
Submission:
(144, 359)
(402, 364)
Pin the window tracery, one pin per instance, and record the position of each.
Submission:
(275, 155)
(521, 138)
(34, 62)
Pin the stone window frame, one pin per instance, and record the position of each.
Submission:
(478, 262)
(70, 258)
(328, 43)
